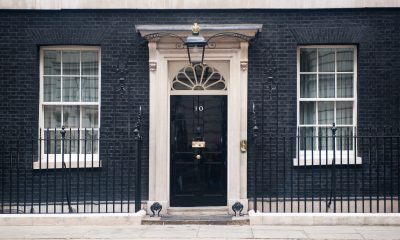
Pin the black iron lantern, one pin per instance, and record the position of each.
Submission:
(195, 45)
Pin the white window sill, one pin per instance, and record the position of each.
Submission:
(69, 163)
(322, 158)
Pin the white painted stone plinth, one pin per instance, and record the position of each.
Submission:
(104, 219)
(258, 218)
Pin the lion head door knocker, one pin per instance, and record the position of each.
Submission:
(198, 143)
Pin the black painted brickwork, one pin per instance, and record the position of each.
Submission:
(374, 31)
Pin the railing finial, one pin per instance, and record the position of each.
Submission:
(334, 129)
(63, 132)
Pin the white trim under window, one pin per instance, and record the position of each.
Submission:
(326, 94)
(69, 96)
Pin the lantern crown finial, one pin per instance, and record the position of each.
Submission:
(195, 29)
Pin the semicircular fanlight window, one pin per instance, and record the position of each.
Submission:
(198, 77)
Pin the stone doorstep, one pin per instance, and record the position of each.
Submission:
(258, 218)
(196, 220)
(197, 211)
(72, 219)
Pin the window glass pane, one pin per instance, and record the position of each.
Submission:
(52, 143)
(345, 85)
(71, 116)
(326, 58)
(52, 62)
(52, 116)
(89, 89)
(308, 85)
(71, 62)
(326, 85)
(344, 140)
(325, 140)
(307, 112)
(71, 142)
(345, 60)
(326, 112)
(90, 117)
(344, 113)
(52, 89)
(308, 141)
(71, 89)
(89, 142)
(308, 60)
(90, 62)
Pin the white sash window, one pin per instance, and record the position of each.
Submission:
(327, 94)
(69, 97)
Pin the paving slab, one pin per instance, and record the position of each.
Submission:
(332, 232)
(204, 232)
(280, 234)
(230, 232)
(329, 229)
(171, 231)
(383, 234)
(46, 232)
(339, 236)
(112, 233)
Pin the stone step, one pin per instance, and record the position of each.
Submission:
(198, 220)
(197, 211)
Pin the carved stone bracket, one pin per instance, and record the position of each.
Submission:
(152, 66)
(243, 65)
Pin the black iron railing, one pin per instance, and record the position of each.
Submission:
(351, 170)
(71, 171)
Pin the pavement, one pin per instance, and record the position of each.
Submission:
(214, 232)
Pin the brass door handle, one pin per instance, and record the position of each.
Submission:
(243, 146)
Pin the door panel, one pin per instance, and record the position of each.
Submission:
(198, 175)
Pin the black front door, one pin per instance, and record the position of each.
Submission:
(198, 150)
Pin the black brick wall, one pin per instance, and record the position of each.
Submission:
(374, 31)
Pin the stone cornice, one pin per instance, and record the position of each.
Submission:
(192, 4)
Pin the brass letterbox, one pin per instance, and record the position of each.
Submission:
(198, 144)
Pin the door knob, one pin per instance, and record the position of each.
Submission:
(198, 157)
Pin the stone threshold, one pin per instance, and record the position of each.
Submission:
(69, 219)
(321, 219)
(196, 220)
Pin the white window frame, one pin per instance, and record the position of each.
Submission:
(54, 161)
(325, 157)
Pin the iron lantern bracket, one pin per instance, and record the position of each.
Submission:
(195, 40)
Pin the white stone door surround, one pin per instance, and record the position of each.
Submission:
(164, 55)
